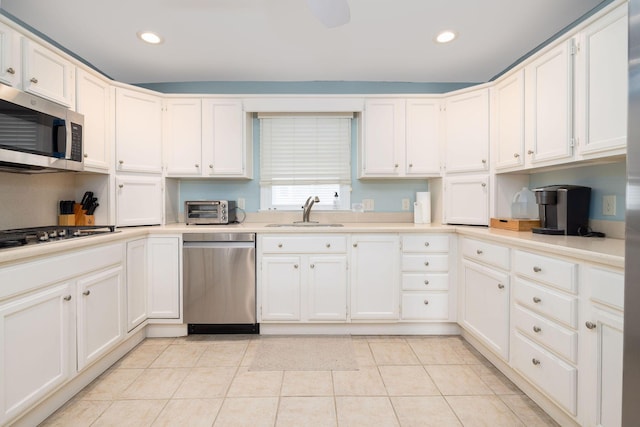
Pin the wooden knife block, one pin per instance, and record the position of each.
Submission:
(81, 217)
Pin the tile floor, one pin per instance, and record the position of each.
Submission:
(205, 381)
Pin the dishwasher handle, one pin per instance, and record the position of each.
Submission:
(220, 245)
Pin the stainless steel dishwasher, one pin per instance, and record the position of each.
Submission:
(220, 282)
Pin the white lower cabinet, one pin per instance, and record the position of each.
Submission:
(136, 283)
(327, 288)
(163, 261)
(374, 277)
(280, 283)
(37, 345)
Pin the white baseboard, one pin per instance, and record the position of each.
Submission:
(360, 329)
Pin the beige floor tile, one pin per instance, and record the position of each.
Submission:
(435, 351)
(362, 353)
(110, 385)
(408, 381)
(528, 412)
(77, 413)
(155, 384)
(247, 411)
(133, 413)
(457, 380)
(393, 353)
(365, 382)
(223, 354)
(424, 411)
(468, 354)
(250, 353)
(189, 413)
(385, 338)
(158, 341)
(365, 411)
(141, 357)
(483, 411)
(205, 383)
(307, 383)
(179, 356)
(307, 411)
(497, 382)
(255, 383)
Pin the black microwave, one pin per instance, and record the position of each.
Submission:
(37, 134)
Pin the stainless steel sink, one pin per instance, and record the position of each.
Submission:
(305, 224)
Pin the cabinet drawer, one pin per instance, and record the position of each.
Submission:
(486, 252)
(561, 340)
(547, 302)
(555, 272)
(425, 306)
(425, 243)
(304, 244)
(607, 287)
(425, 262)
(557, 378)
(425, 281)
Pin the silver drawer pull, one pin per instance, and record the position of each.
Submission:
(500, 286)
(67, 298)
(536, 300)
(312, 266)
(537, 269)
(516, 155)
(426, 282)
(529, 151)
(328, 245)
(590, 325)
(87, 292)
(426, 263)
(426, 244)
(120, 185)
(426, 302)
(295, 265)
(279, 245)
(536, 329)
(197, 165)
(479, 252)
(34, 80)
(10, 70)
(355, 245)
(535, 361)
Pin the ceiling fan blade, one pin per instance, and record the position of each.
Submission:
(332, 13)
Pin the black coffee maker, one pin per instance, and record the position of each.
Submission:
(564, 209)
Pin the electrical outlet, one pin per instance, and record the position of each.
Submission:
(609, 205)
(405, 204)
(367, 204)
(241, 203)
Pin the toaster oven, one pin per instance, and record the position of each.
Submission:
(209, 212)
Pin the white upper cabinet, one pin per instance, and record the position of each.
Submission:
(92, 100)
(47, 74)
(549, 102)
(601, 86)
(507, 115)
(138, 132)
(400, 138)
(183, 137)
(467, 132)
(138, 200)
(10, 56)
(466, 200)
(226, 140)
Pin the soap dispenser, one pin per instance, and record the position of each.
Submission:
(336, 201)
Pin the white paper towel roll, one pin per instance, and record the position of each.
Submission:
(422, 212)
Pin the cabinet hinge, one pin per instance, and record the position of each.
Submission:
(574, 49)
(573, 142)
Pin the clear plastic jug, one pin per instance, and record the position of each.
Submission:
(524, 205)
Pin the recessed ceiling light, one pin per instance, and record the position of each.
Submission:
(149, 37)
(445, 36)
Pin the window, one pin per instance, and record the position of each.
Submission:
(305, 155)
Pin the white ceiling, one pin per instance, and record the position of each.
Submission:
(280, 40)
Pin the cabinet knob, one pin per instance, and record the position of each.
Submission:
(537, 269)
(87, 292)
(536, 329)
(426, 263)
(484, 184)
(484, 161)
(536, 300)
(479, 251)
(279, 245)
(10, 70)
(396, 165)
(516, 155)
(121, 161)
(67, 298)
(34, 80)
(197, 165)
(500, 286)
(426, 282)
(328, 245)
(590, 325)
(355, 245)
(426, 244)
(529, 151)
(312, 266)
(120, 185)
(426, 302)
(295, 265)
(210, 166)
(410, 165)
(535, 361)
(85, 155)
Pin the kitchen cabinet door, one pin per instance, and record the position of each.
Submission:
(138, 131)
(466, 200)
(383, 138)
(182, 137)
(422, 146)
(136, 283)
(549, 107)
(92, 100)
(486, 306)
(164, 277)
(10, 56)
(226, 151)
(467, 132)
(375, 277)
(37, 335)
(47, 74)
(327, 288)
(602, 82)
(100, 324)
(138, 200)
(507, 113)
(281, 285)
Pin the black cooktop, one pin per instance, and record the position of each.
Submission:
(36, 235)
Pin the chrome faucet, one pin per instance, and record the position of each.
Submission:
(306, 209)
